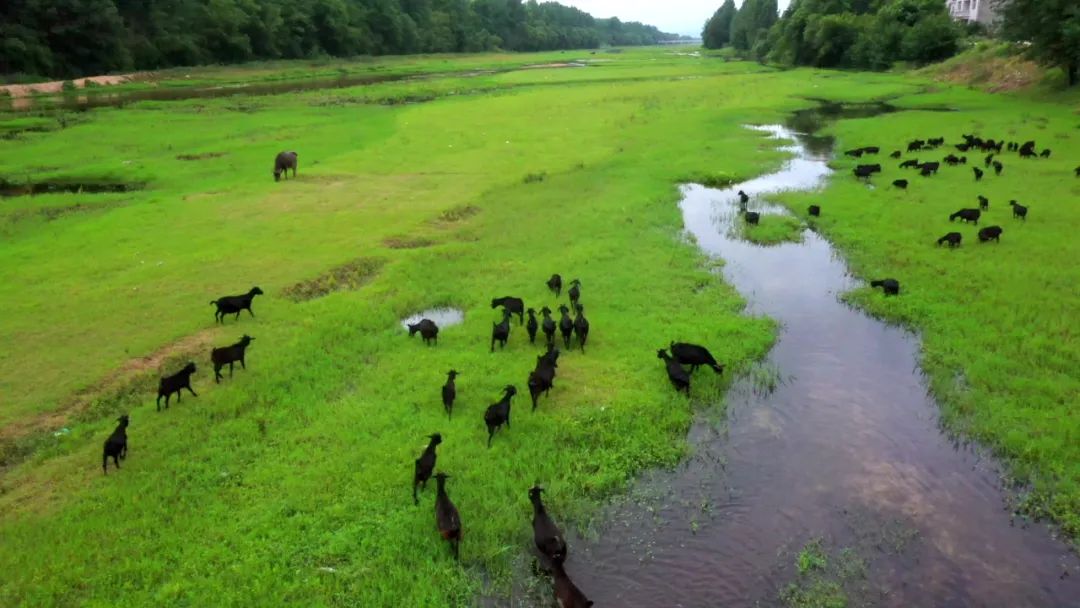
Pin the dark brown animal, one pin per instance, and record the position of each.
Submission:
(282, 164)
(447, 519)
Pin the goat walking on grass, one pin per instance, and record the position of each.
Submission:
(676, 374)
(447, 519)
(498, 413)
(449, 393)
(174, 384)
(229, 355)
(429, 331)
(425, 464)
(548, 325)
(115, 445)
(546, 535)
(233, 305)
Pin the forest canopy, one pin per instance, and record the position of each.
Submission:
(66, 38)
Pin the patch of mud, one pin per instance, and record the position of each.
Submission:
(443, 317)
(10, 189)
(458, 214)
(352, 275)
(563, 64)
(57, 86)
(202, 156)
(408, 242)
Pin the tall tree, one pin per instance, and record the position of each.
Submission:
(717, 32)
(1051, 26)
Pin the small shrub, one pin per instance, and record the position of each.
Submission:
(535, 177)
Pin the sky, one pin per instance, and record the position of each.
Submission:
(675, 16)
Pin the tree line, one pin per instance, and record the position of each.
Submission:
(66, 38)
(875, 34)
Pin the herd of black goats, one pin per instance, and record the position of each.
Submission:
(891, 287)
(547, 536)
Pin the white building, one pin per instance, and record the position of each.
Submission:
(981, 11)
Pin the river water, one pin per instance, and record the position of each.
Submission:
(846, 449)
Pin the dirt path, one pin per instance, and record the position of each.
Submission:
(57, 86)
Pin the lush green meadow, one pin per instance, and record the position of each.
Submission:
(291, 480)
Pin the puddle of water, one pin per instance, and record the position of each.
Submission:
(852, 430)
(443, 317)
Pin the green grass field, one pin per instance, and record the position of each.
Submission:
(291, 481)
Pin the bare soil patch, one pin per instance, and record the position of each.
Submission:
(352, 275)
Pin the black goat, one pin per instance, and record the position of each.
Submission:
(896, 154)
(915, 145)
(425, 464)
(566, 592)
(978, 173)
(548, 325)
(676, 374)
(891, 287)
(500, 332)
(900, 183)
(967, 215)
(282, 163)
(115, 445)
(555, 284)
(952, 238)
(512, 304)
(856, 153)
(546, 535)
(1045, 153)
(447, 519)
(926, 171)
(581, 327)
(1019, 211)
(174, 384)
(694, 355)
(532, 326)
(989, 159)
(744, 197)
(752, 217)
(931, 166)
(449, 393)
(429, 331)
(1077, 171)
(542, 379)
(814, 210)
(984, 203)
(990, 233)
(566, 326)
(910, 164)
(230, 355)
(574, 292)
(229, 305)
(498, 413)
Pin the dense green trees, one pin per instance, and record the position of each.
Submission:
(1051, 26)
(871, 34)
(717, 31)
(66, 38)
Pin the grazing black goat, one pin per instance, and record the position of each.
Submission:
(694, 355)
(678, 376)
(566, 592)
(744, 197)
(871, 149)
(856, 153)
(915, 145)
(896, 154)
(574, 292)
(752, 217)
(548, 325)
(425, 464)
(952, 238)
(447, 519)
(891, 287)
(500, 332)
(230, 355)
(932, 167)
(429, 331)
(282, 163)
(555, 284)
(542, 379)
(532, 326)
(926, 171)
(547, 536)
(952, 160)
(115, 445)
(967, 215)
(910, 164)
(498, 413)
(814, 210)
(1077, 171)
(566, 326)
(901, 183)
(511, 304)
(990, 233)
(449, 393)
(581, 327)
(989, 159)
(978, 173)
(984, 203)
(1019, 211)
(229, 305)
(1045, 153)
(174, 384)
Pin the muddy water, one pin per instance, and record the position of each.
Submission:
(443, 317)
(847, 448)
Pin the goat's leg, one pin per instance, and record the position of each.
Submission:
(123, 451)
(231, 369)
(251, 312)
(192, 391)
(242, 365)
(116, 460)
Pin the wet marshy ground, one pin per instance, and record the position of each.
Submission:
(846, 448)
